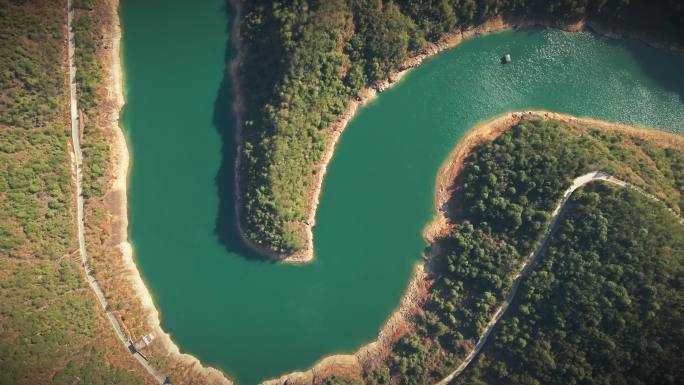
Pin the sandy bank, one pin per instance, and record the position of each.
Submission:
(117, 191)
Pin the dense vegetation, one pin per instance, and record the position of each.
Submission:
(88, 72)
(34, 169)
(603, 306)
(304, 59)
(50, 328)
(509, 187)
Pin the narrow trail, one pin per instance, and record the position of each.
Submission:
(77, 162)
(529, 264)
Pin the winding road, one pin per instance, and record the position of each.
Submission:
(529, 264)
(77, 161)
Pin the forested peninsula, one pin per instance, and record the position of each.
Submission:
(305, 63)
(612, 266)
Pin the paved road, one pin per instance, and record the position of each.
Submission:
(78, 163)
(527, 267)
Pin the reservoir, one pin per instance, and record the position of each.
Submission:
(257, 320)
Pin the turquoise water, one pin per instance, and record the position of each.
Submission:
(257, 320)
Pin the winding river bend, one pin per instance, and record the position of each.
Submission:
(257, 320)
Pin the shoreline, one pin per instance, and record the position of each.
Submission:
(399, 321)
(367, 94)
(418, 281)
(438, 223)
(121, 162)
(447, 41)
(119, 189)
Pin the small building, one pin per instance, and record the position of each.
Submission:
(143, 342)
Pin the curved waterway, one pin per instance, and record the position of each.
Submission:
(257, 320)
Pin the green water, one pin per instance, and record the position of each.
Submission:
(257, 320)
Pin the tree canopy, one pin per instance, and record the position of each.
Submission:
(303, 60)
(604, 306)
